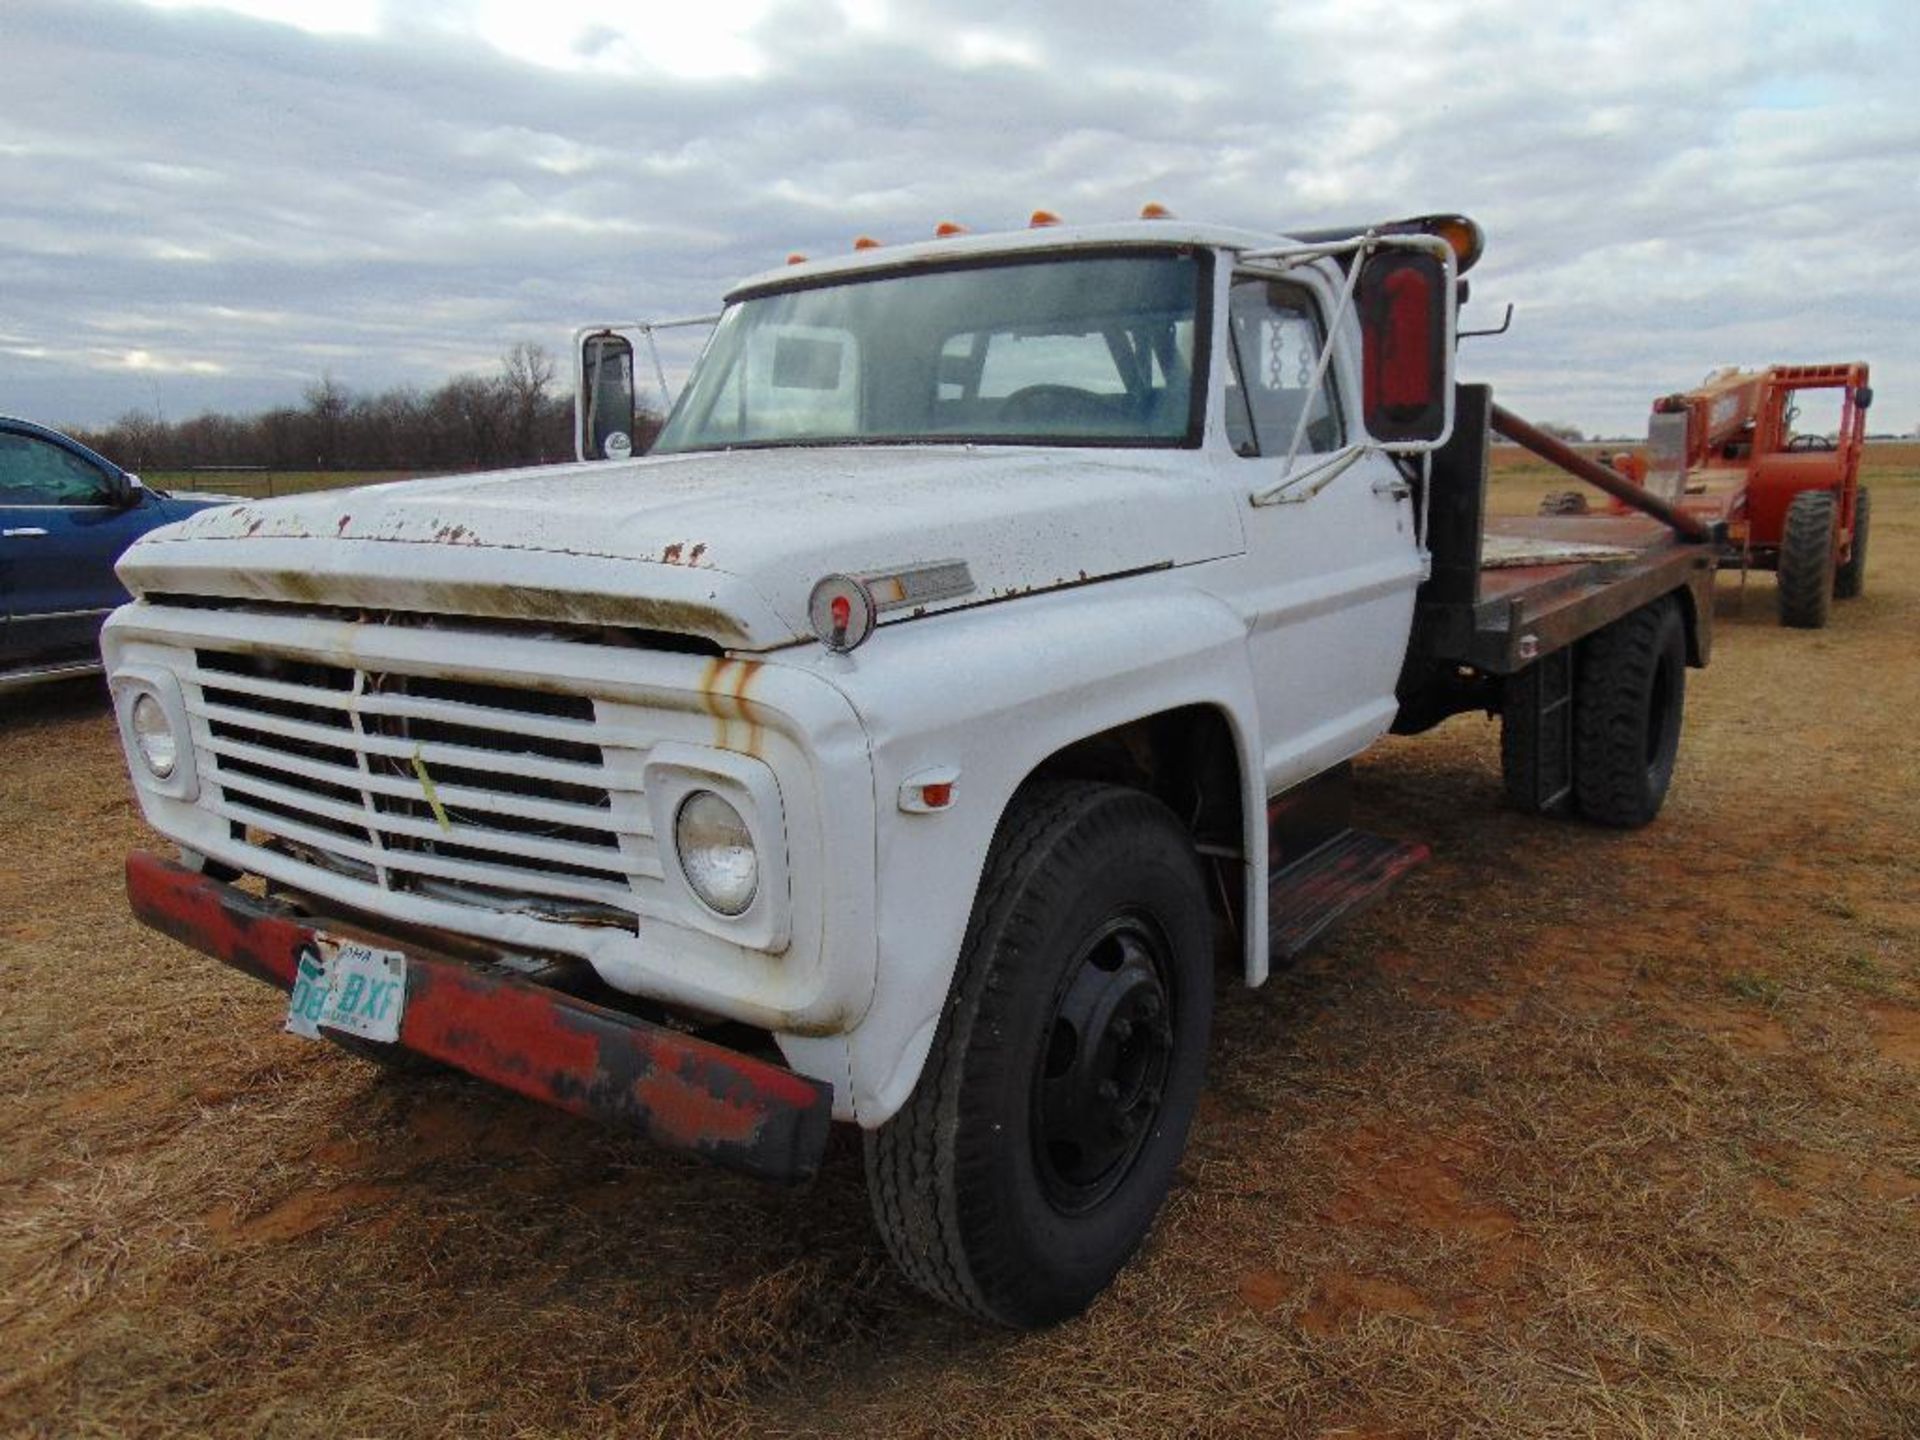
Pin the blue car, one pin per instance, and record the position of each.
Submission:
(65, 516)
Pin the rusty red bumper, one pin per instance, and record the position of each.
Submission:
(681, 1092)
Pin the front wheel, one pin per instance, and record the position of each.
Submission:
(1806, 561)
(1036, 1150)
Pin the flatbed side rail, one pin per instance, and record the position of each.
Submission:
(1556, 452)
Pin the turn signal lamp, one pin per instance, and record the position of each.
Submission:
(1154, 210)
(843, 612)
(1040, 219)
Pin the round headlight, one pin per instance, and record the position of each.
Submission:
(153, 734)
(716, 852)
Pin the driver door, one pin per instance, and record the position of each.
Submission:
(1334, 567)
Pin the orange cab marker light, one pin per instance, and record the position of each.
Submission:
(1461, 234)
(946, 229)
(866, 242)
(937, 797)
(796, 258)
(1154, 210)
(1042, 218)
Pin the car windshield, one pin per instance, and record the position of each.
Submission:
(1069, 350)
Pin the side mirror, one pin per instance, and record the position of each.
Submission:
(123, 489)
(606, 402)
(1405, 348)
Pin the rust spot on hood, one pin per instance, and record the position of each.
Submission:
(341, 528)
(672, 556)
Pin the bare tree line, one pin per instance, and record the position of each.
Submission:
(472, 422)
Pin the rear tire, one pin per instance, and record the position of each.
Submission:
(1037, 1148)
(1629, 697)
(1851, 578)
(1806, 561)
(1532, 758)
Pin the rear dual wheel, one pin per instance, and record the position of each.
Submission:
(1041, 1140)
(1628, 693)
(1629, 696)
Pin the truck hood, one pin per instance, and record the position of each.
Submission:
(728, 545)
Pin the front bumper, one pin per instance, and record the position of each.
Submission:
(678, 1091)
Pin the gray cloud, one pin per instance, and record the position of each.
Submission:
(204, 210)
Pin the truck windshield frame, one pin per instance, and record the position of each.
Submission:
(1087, 348)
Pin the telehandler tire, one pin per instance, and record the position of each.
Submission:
(1037, 1148)
(1629, 696)
(1851, 578)
(1806, 561)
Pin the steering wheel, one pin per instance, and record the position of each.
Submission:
(1803, 443)
(1054, 402)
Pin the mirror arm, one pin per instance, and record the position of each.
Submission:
(1500, 329)
(1312, 480)
(1326, 349)
(659, 370)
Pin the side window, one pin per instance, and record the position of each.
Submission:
(37, 472)
(1275, 346)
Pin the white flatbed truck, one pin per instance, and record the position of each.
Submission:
(989, 631)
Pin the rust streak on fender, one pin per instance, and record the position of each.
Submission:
(756, 733)
(712, 690)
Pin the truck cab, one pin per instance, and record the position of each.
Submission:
(986, 635)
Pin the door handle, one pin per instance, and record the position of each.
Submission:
(24, 532)
(1392, 485)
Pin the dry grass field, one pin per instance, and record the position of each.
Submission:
(1584, 1133)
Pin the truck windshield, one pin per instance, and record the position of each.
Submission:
(1069, 350)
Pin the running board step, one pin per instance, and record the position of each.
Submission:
(1333, 883)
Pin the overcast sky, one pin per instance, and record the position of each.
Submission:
(208, 205)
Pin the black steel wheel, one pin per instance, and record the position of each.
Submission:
(1806, 561)
(1851, 578)
(1629, 698)
(1103, 1072)
(1038, 1147)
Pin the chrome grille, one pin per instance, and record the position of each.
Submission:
(324, 763)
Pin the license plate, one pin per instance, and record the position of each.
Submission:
(345, 985)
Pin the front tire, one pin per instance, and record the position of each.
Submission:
(1036, 1150)
(1629, 697)
(1806, 561)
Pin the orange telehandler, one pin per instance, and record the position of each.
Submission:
(1792, 503)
